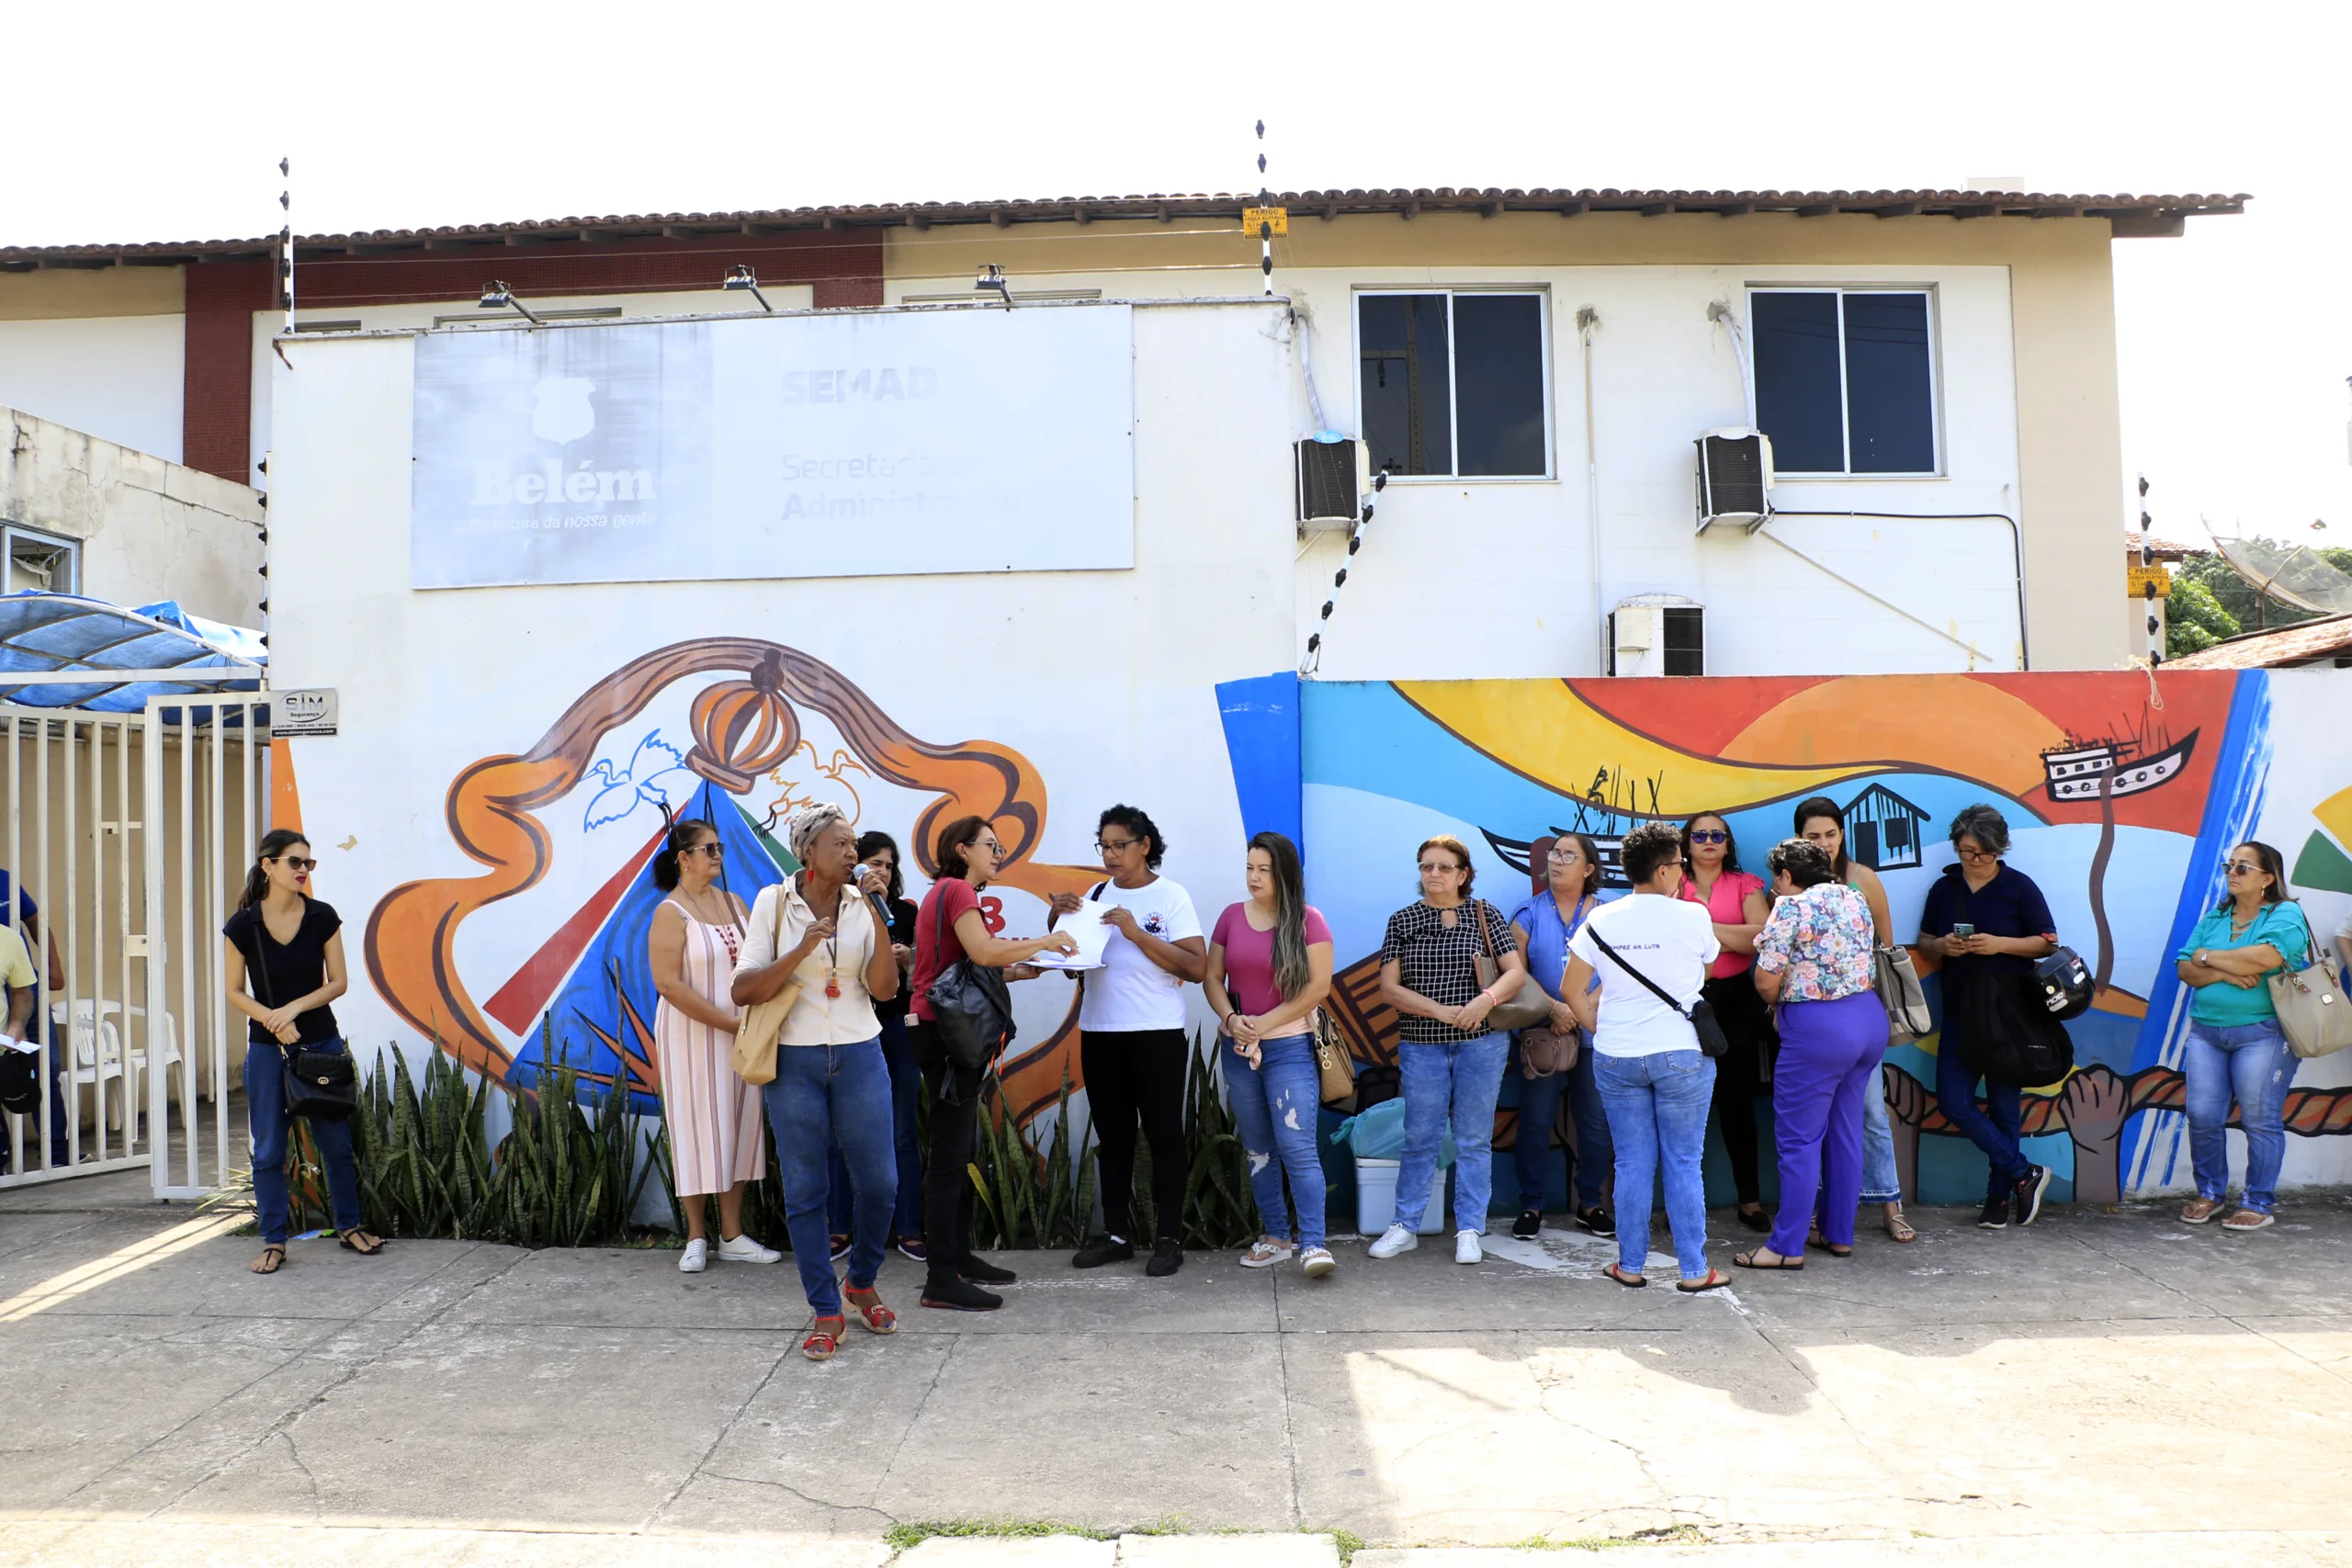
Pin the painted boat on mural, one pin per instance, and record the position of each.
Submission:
(2074, 770)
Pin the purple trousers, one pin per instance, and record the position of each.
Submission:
(1828, 1050)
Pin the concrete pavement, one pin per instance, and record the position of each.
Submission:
(2112, 1378)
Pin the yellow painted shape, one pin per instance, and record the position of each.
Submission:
(1542, 729)
(1944, 723)
(2334, 813)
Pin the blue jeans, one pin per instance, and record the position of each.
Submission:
(1462, 1080)
(1658, 1116)
(1882, 1182)
(2253, 1063)
(266, 1118)
(1275, 1107)
(1538, 1110)
(1993, 1129)
(822, 1094)
(906, 1086)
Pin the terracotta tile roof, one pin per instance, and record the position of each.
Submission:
(2166, 549)
(2330, 637)
(2132, 215)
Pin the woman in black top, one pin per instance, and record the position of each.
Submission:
(291, 946)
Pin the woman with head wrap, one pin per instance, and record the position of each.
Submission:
(831, 1085)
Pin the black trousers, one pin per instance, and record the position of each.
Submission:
(1138, 1075)
(1748, 1026)
(947, 1181)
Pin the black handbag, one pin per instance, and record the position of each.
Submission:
(2007, 1033)
(321, 1085)
(19, 1082)
(1699, 1015)
(971, 1008)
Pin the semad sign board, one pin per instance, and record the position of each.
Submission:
(824, 446)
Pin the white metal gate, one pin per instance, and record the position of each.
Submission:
(130, 835)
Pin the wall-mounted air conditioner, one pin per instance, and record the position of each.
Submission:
(1333, 479)
(1658, 634)
(1734, 478)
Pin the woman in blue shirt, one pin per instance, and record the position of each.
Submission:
(1543, 925)
(2235, 1048)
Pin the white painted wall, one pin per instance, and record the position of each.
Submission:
(116, 377)
(149, 530)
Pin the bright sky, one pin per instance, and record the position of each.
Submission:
(165, 123)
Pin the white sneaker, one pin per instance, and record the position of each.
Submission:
(1394, 1240)
(744, 1249)
(695, 1259)
(1317, 1261)
(1465, 1247)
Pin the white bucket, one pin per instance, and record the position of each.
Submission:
(1376, 1199)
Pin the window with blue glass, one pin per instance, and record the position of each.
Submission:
(1452, 385)
(1844, 380)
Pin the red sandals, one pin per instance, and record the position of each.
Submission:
(823, 1341)
(877, 1318)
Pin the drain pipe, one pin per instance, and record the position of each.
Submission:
(2017, 548)
(1588, 319)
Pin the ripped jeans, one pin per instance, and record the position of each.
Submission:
(1274, 1109)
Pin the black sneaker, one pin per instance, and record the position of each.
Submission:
(1166, 1258)
(911, 1249)
(1596, 1221)
(1101, 1250)
(981, 1272)
(1996, 1214)
(2030, 1188)
(1529, 1224)
(958, 1295)
(841, 1245)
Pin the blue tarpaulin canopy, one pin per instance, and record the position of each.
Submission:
(42, 632)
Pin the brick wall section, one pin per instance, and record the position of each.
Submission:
(215, 390)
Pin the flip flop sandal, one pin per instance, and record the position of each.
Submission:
(822, 1342)
(2213, 1207)
(2248, 1220)
(1900, 1229)
(1716, 1280)
(1631, 1282)
(350, 1245)
(1748, 1260)
(877, 1318)
(272, 1257)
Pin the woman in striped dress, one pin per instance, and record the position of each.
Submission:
(713, 1116)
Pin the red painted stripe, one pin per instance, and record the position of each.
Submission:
(519, 1002)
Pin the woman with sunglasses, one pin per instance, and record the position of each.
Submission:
(1737, 906)
(295, 972)
(1543, 925)
(2235, 1048)
(1989, 922)
(712, 1116)
(1451, 1063)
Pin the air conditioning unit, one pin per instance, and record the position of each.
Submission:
(1333, 479)
(1658, 634)
(1734, 478)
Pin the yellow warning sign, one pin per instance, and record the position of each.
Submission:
(2137, 579)
(1277, 217)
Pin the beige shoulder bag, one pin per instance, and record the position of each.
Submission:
(756, 1029)
(2310, 1002)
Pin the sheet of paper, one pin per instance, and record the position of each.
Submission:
(1087, 928)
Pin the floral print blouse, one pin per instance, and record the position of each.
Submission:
(1821, 942)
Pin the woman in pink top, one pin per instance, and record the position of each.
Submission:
(1270, 967)
(1736, 901)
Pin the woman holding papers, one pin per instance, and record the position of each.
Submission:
(1270, 967)
(949, 928)
(1131, 1033)
(818, 931)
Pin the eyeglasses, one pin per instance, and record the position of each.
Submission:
(1708, 836)
(1563, 856)
(2240, 867)
(298, 863)
(1428, 866)
(714, 849)
(1114, 846)
(1977, 854)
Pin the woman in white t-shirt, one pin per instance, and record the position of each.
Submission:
(1654, 1082)
(1131, 1043)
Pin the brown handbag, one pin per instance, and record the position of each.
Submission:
(1545, 1051)
(757, 1026)
(1529, 1007)
(1335, 1070)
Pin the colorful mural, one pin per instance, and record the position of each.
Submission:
(2123, 792)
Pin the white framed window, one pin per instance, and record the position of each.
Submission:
(42, 560)
(1846, 380)
(1455, 383)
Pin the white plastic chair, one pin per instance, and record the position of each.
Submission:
(94, 1057)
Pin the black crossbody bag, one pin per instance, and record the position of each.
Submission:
(1699, 1015)
(320, 1084)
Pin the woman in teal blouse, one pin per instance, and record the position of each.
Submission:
(2235, 1048)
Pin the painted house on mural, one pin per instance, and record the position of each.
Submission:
(613, 539)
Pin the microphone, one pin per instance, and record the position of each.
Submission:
(881, 907)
